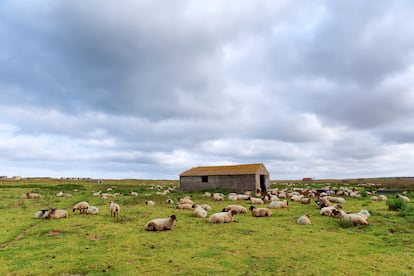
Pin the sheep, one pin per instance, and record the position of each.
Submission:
(364, 213)
(39, 214)
(306, 200)
(92, 210)
(185, 201)
(222, 217)
(336, 199)
(206, 207)
(31, 196)
(278, 204)
(323, 202)
(304, 220)
(207, 194)
(328, 211)
(169, 201)
(56, 214)
(356, 219)
(133, 193)
(200, 212)
(382, 198)
(97, 193)
(81, 206)
(218, 197)
(114, 208)
(260, 212)
(232, 196)
(296, 198)
(161, 224)
(403, 198)
(254, 200)
(185, 206)
(243, 197)
(60, 194)
(149, 203)
(238, 208)
(374, 198)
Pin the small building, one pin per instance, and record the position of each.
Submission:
(235, 178)
(307, 180)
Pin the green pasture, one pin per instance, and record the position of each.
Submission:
(101, 245)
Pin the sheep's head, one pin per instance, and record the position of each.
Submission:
(252, 208)
(173, 217)
(233, 212)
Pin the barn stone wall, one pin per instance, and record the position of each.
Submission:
(233, 183)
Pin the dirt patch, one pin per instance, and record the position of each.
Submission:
(94, 237)
(54, 233)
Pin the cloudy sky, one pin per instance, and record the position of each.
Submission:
(148, 89)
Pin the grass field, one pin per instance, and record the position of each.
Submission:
(101, 245)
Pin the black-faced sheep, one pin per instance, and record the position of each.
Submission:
(81, 206)
(31, 196)
(169, 201)
(328, 211)
(260, 212)
(238, 208)
(161, 224)
(56, 214)
(278, 204)
(149, 203)
(114, 208)
(39, 214)
(222, 217)
(304, 220)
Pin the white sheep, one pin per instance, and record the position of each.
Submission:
(304, 220)
(31, 196)
(60, 194)
(336, 199)
(218, 197)
(185, 206)
(356, 219)
(278, 204)
(260, 212)
(296, 198)
(200, 212)
(169, 201)
(207, 194)
(382, 198)
(92, 210)
(133, 193)
(81, 206)
(255, 200)
(161, 224)
(114, 208)
(149, 203)
(403, 198)
(56, 214)
(306, 200)
(206, 207)
(185, 201)
(243, 197)
(328, 211)
(238, 208)
(222, 217)
(39, 214)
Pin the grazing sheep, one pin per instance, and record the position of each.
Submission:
(254, 200)
(278, 204)
(114, 208)
(200, 212)
(92, 210)
(149, 203)
(185, 206)
(260, 212)
(169, 201)
(81, 206)
(161, 224)
(304, 220)
(356, 219)
(238, 208)
(56, 214)
(39, 214)
(403, 198)
(222, 217)
(31, 196)
(306, 200)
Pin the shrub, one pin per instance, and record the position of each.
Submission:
(408, 213)
(345, 223)
(396, 204)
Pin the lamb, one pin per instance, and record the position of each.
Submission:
(207, 194)
(39, 214)
(31, 196)
(161, 224)
(304, 220)
(260, 212)
(92, 210)
(114, 208)
(81, 206)
(200, 212)
(356, 219)
(149, 203)
(278, 204)
(238, 208)
(56, 214)
(254, 200)
(222, 217)
(403, 198)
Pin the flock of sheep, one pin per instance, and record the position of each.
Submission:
(329, 201)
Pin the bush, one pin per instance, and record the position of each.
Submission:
(396, 204)
(408, 213)
(345, 223)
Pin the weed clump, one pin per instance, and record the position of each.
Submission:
(396, 204)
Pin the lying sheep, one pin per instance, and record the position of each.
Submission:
(403, 198)
(114, 208)
(382, 198)
(296, 198)
(222, 217)
(92, 210)
(254, 200)
(306, 200)
(336, 199)
(56, 214)
(31, 196)
(81, 206)
(149, 203)
(206, 207)
(133, 193)
(328, 211)
(356, 219)
(200, 212)
(185, 201)
(278, 204)
(169, 201)
(304, 220)
(185, 206)
(260, 212)
(238, 208)
(323, 202)
(243, 197)
(218, 197)
(161, 224)
(39, 214)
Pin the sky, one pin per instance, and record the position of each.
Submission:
(148, 89)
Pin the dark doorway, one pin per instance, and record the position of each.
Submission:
(263, 183)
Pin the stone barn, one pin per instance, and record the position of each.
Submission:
(234, 178)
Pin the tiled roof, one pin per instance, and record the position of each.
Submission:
(223, 170)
